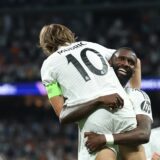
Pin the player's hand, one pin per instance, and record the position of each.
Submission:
(113, 101)
(155, 156)
(94, 142)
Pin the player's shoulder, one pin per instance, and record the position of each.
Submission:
(130, 90)
(136, 93)
(100, 47)
(88, 42)
(91, 44)
(141, 101)
(47, 63)
(43, 67)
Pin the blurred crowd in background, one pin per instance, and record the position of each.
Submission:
(42, 3)
(29, 129)
(36, 140)
(21, 58)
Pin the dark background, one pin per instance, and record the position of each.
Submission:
(29, 129)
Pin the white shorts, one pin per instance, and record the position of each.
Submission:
(104, 122)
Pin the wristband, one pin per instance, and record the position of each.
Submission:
(109, 139)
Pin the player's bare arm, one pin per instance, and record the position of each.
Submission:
(113, 101)
(137, 136)
(57, 103)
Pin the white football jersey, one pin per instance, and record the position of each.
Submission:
(83, 73)
(140, 101)
(154, 143)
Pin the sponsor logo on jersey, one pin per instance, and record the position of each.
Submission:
(146, 106)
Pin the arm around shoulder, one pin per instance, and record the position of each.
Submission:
(80, 111)
(139, 135)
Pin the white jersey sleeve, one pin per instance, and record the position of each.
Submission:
(154, 143)
(46, 74)
(155, 140)
(141, 101)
